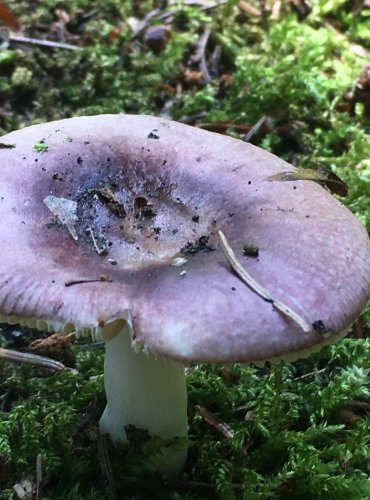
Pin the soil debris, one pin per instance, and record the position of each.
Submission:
(152, 135)
(250, 250)
(320, 327)
(143, 208)
(200, 245)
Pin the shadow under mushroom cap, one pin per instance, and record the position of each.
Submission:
(148, 191)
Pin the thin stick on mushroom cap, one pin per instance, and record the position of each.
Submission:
(112, 230)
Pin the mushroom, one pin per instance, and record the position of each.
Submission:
(122, 228)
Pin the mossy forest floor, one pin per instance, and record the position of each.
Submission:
(295, 69)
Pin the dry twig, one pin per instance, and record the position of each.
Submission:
(215, 422)
(38, 476)
(32, 359)
(248, 8)
(102, 279)
(201, 55)
(106, 466)
(43, 43)
(256, 127)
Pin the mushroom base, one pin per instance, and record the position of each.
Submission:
(146, 391)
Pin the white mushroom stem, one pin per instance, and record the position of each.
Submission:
(144, 390)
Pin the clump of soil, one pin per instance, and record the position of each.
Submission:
(200, 245)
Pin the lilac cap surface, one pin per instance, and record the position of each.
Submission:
(146, 192)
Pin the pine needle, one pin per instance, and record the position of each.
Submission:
(256, 287)
(32, 359)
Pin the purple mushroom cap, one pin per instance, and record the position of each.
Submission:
(149, 193)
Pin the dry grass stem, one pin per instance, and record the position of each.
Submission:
(32, 359)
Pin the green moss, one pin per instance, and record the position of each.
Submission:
(40, 147)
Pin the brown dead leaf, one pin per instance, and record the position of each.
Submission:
(8, 17)
(193, 77)
(56, 347)
(157, 37)
(348, 417)
(321, 176)
(115, 33)
(135, 435)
